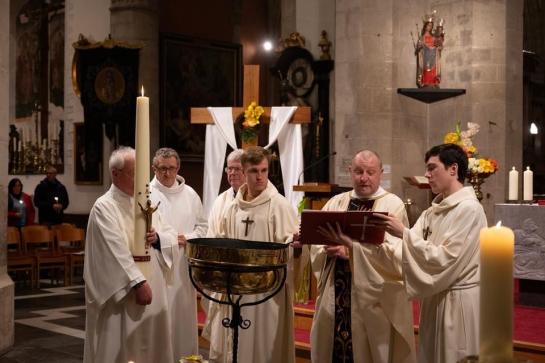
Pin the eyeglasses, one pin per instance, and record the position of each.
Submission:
(233, 169)
(165, 169)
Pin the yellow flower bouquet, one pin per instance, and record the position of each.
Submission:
(476, 165)
(250, 125)
(478, 168)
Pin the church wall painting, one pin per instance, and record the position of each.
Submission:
(87, 168)
(195, 73)
(36, 136)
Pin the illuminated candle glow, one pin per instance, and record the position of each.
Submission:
(496, 315)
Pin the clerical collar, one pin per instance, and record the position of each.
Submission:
(380, 192)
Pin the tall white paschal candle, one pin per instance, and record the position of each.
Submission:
(496, 317)
(528, 184)
(513, 184)
(140, 251)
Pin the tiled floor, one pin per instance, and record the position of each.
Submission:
(49, 325)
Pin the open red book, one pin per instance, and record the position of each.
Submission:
(358, 225)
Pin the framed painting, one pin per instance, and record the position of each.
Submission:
(195, 73)
(87, 163)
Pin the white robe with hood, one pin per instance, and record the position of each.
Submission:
(116, 328)
(182, 209)
(381, 313)
(443, 271)
(270, 338)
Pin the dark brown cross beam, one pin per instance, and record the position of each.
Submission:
(250, 92)
(247, 222)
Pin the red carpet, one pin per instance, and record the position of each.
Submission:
(529, 324)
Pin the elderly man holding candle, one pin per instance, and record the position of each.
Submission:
(440, 256)
(126, 303)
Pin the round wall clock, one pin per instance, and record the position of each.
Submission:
(295, 66)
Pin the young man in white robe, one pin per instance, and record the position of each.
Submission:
(235, 178)
(270, 338)
(182, 209)
(363, 313)
(127, 316)
(441, 260)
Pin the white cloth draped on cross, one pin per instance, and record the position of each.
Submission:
(222, 132)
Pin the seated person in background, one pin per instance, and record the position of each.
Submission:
(20, 208)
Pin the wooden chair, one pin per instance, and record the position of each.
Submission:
(19, 262)
(71, 241)
(39, 241)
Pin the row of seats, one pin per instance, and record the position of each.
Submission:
(37, 248)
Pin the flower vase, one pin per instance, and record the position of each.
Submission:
(246, 143)
(476, 179)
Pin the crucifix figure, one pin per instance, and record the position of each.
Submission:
(247, 222)
(147, 212)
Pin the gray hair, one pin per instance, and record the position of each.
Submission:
(117, 159)
(235, 155)
(366, 153)
(165, 153)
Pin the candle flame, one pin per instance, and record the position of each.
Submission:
(142, 93)
(498, 224)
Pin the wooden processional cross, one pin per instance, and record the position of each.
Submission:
(250, 93)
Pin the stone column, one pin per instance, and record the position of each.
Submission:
(6, 285)
(138, 20)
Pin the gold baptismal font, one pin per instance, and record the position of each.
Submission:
(235, 268)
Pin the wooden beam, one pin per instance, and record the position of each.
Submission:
(200, 115)
(250, 90)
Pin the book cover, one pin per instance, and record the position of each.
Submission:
(358, 225)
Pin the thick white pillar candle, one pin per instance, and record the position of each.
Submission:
(496, 316)
(513, 184)
(528, 184)
(140, 250)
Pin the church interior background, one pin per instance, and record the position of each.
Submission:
(494, 50)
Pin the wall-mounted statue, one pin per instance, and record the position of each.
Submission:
(428, 49)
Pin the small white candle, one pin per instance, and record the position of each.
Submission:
(528, 184)
(496, 316)
(513, 184)
(141, 180)
(56, 199)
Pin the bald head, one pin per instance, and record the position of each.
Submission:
(366, 171)
(367, 155)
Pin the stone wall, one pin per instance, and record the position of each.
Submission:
(375, 56)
